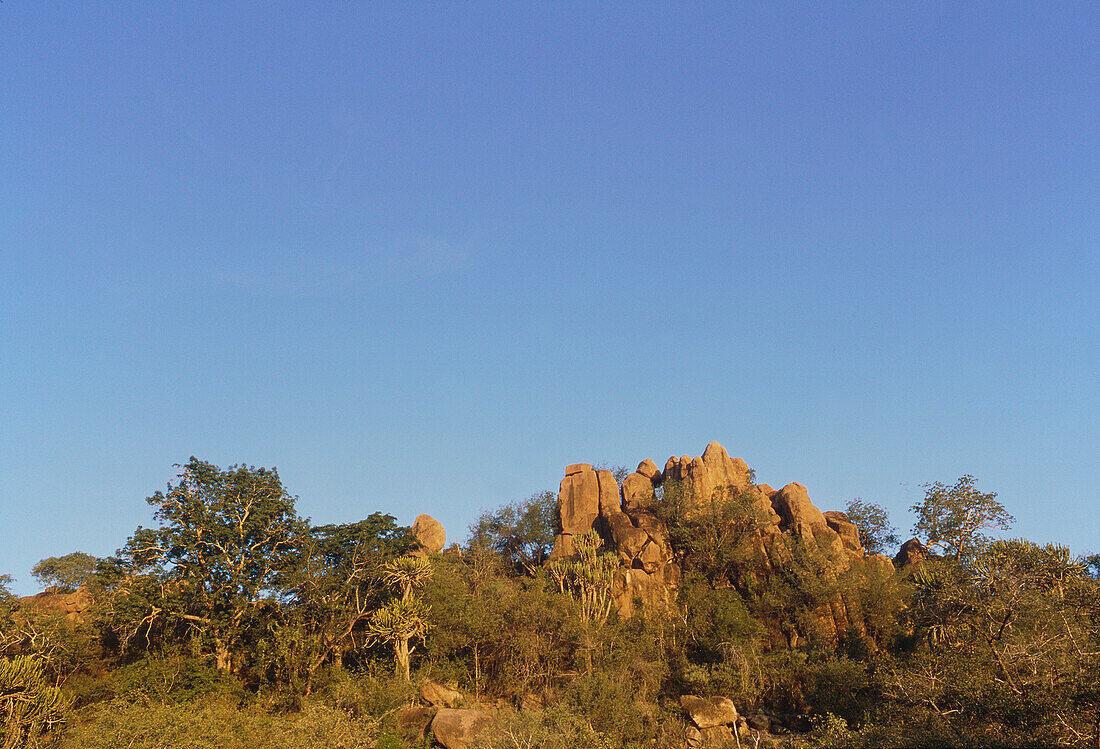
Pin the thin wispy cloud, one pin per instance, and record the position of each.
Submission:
(320, 274)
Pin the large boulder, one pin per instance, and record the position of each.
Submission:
(650, 470)
(649, 573)
(637, 492)
(457, 729)
(847, 530)
(439, 695)
(709, 712)
(578, 499)
(796, 511)
(429, 533)
(711, 471)
(413, 720)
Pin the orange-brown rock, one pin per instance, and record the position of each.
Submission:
(457, 729)
(578, 499)
(627, 540)
(650, 470)
(637, 492)
(796, 511)
(709, 712)
(847, 530)
(649, 574)
(912, 552)
(715, 469)
(439, 695)
(609, 502)
(71, 605)
(429, 533)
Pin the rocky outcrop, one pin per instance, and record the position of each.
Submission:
(627, 519)
(429, 534)
(912, 553)
(457, 729)
(70, 605)
(845, 528)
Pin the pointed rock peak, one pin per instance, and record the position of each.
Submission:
(715, 452)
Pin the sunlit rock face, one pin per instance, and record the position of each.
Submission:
(626, 518)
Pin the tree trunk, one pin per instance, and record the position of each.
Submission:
(401, 656)
(222, 657)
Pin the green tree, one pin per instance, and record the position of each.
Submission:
(6, 596)
(334, 589)
(405, 618)
(1008, 637)
(66, 573)
(226, 540)
(955, 518)
(876, 532)
(522, 532)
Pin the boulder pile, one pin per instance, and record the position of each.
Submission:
(625, 517)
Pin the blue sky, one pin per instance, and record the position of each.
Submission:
(421, 256)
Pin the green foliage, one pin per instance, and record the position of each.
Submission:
(67, 573)
(505, 636)
(522, 532)
(334, 585)
(716, 620)
(398, 623)
(217, 722)
(876, 532)
(711, 536)
(29, 705)
(955, 518)
(558, 727)
(168, 678)
(63, 648)
(586, 578)
(1008, 639)
(226, 539)
(796, 596)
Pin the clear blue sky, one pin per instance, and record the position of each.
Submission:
(421, 256)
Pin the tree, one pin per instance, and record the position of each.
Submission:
(334, 591)
(876, 533)
(954, 518)
(1008, 633)
(226, 539)
(67, 573)
(522, 532)
(406, 618)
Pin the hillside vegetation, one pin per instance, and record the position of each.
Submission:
(688, 606)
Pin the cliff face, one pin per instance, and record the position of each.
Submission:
(649, 571)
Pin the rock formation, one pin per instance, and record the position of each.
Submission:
(71, 605)
(625, 516)
(911, 553)
(429, 534)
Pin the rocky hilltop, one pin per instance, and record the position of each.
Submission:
(785, 522)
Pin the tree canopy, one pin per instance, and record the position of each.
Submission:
(955, 518)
